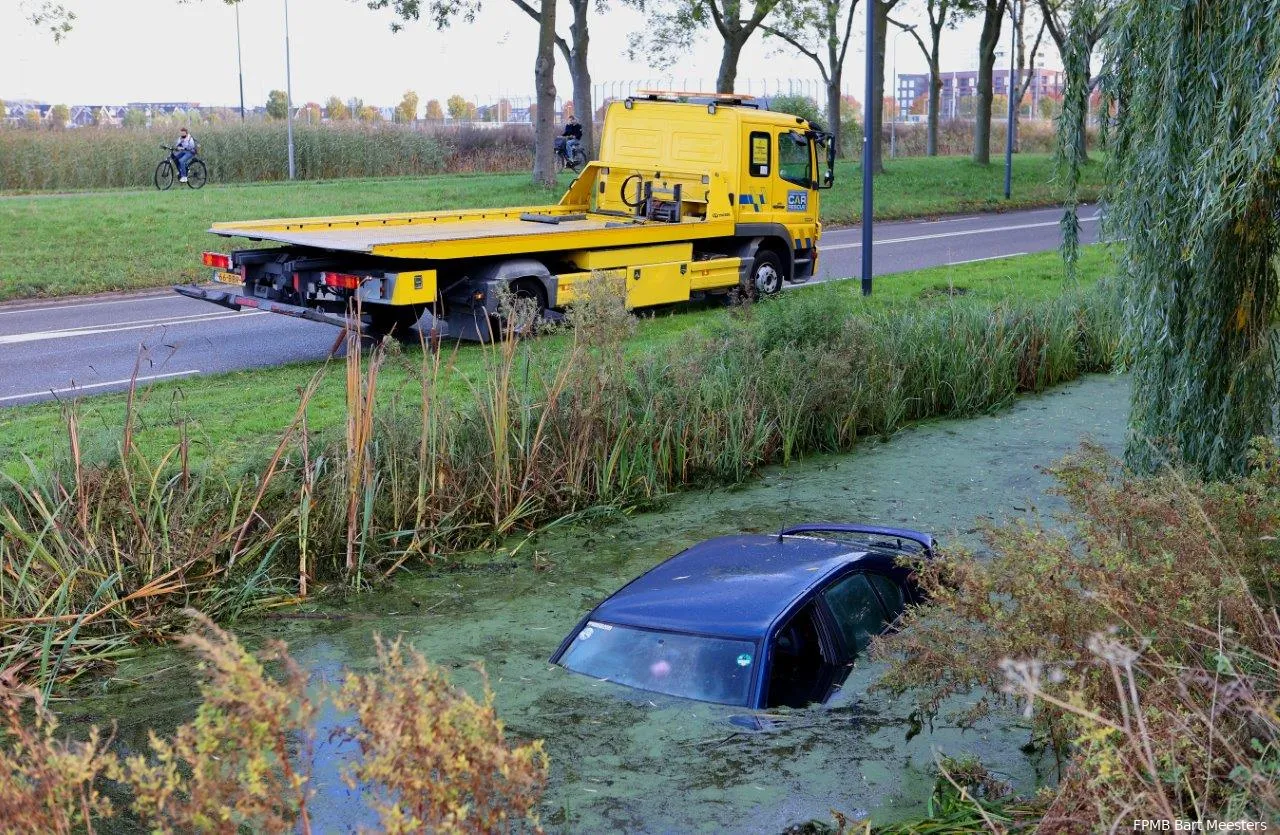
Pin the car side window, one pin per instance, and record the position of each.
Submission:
(891, 595)
(857, 611)
(799, 672)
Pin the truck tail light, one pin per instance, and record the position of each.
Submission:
(344, 281)
(216, 260)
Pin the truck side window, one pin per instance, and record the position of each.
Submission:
(794, 161)
(759, 163)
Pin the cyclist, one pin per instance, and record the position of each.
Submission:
(572, 133)
(184, 152)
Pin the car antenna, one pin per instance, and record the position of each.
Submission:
(791, 486)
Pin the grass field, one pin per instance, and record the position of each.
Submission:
(232, 419)
(75, 244)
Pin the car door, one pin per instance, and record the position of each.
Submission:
(862, 605)
(803, 661)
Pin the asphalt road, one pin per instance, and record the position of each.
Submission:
(91, 346)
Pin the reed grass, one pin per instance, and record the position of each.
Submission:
(98, 158)
(94, 557)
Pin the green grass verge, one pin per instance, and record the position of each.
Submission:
(234, 419)
(76, 244)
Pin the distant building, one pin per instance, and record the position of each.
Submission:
(959, 87)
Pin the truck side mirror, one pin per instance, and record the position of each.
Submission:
(829, 173)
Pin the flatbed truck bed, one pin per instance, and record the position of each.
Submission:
(687, 199)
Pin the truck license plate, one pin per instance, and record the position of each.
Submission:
(226, 277)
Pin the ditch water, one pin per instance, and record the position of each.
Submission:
(623, 761)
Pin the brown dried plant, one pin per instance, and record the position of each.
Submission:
(437, 759)
(243, 762)
(1146, 649)
(46, 784)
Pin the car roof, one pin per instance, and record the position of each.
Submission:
(732, 586)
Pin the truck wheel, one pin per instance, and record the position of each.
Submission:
(533, 301)
(766, 274)
(395, 321)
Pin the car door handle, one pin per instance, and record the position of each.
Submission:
(779, 206)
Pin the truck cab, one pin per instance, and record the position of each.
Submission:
(691, 196)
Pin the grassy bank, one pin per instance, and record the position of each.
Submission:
(75, 244)
(230, 419)
(541, 430)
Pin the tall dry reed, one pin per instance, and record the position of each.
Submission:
(91, 557)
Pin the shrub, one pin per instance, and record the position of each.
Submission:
(1145, 647)
(46, 784)
(438, 759)
(437, 756)
(232, 767)
(802, 106)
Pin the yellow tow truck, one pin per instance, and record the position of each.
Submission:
(693, 195)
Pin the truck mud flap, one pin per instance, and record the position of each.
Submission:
(236, 301)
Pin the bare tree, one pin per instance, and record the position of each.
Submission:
(675, 23)
(815, 29)
(444, 12)
(1026, 66)
(942, 13)
(1076, 27)
(880, 13)
(992, 17)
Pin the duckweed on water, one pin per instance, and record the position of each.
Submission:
(636, 762)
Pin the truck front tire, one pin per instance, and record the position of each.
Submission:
(766, 275)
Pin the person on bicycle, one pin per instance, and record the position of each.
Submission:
(572, 130)
(184, 152)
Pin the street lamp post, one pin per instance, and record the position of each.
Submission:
(288, 91)
(239, 62)
(897, 94)
(868, 95)
(1013, 83)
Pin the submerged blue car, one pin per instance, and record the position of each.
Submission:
(756, 620)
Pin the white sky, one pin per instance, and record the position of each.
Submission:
(159, 50)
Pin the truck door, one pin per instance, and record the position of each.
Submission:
(777, 186)
(794, 202)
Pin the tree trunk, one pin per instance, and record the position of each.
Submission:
(728, 75)
(986, 64)
(935, 102)
(544, 82)
(580, 72)
(833, 111)
(874, 130)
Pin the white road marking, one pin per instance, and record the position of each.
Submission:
(74, 305)
(90, 330)
(948, 219)
(72, 389)
(988, 258)
(957, 234)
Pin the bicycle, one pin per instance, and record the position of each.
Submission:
(167, 171)
(570, 153)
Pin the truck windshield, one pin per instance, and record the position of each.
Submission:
(689, 666)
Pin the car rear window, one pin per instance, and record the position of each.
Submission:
(689, 666)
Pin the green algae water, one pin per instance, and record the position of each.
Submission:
(622, 760)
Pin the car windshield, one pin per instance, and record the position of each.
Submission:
(690, 666)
